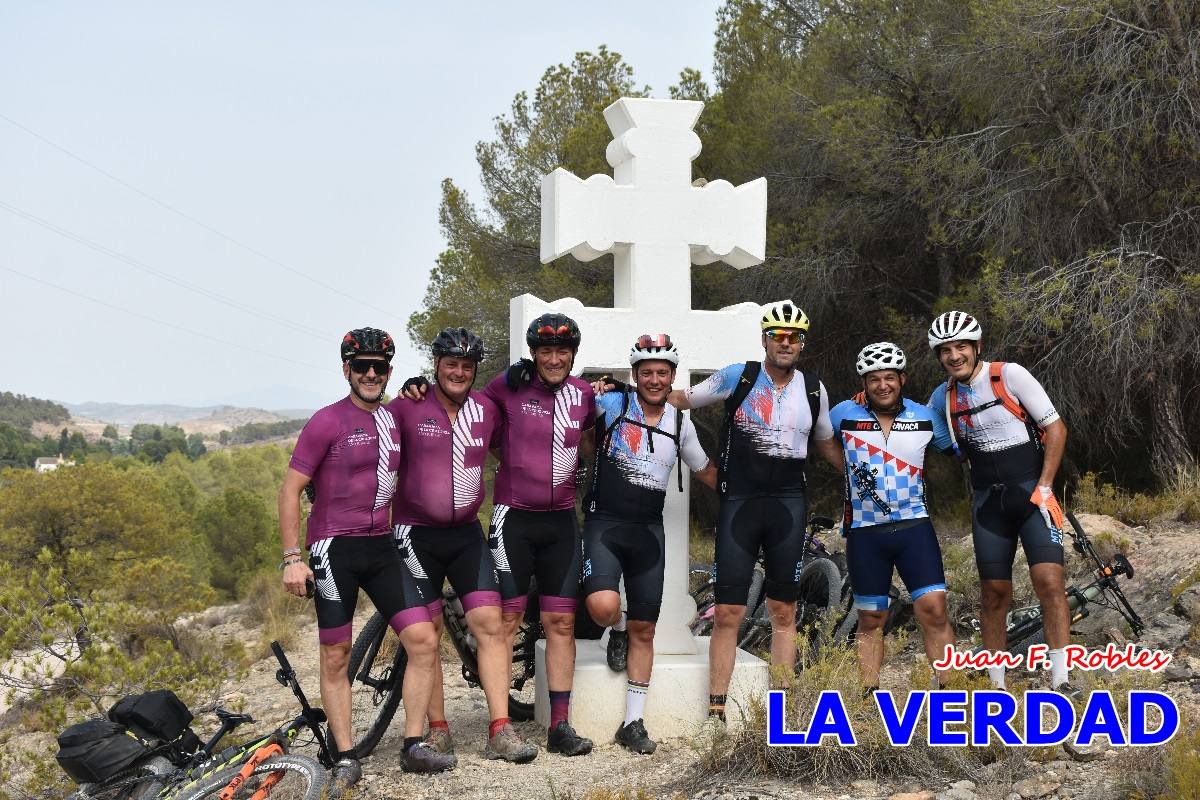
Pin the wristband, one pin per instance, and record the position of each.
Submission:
(292, 551)
(287, 562)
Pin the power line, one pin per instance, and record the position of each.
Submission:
(358, 301)
(240, 347)
(133, 262)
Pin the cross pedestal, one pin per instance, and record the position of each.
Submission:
(656, 224)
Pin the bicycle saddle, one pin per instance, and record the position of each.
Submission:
(230, 718)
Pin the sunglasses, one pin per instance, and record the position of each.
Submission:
(548, 330)
(653, 340)
(361, 366)
(781, 336)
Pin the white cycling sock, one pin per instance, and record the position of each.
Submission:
(1058, 667)
(996, 676)
(620, 624)
(635, 700)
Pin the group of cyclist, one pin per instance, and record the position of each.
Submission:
(396, 490)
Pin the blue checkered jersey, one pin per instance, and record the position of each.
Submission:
(885, 475)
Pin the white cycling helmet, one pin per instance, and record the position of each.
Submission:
(653, 347)
(784, 314)
(881, 355)
(954, 326)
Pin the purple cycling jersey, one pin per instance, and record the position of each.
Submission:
(440, 481)
(539, 441)
(351, 456)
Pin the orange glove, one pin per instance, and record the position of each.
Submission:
(1052, 513)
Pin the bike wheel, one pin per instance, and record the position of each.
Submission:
(756, 605)
(141, 781)
(1021, 646)
(284, 777)
(820, 598)
(522, 691)
(847, 628)
(702, 623)
(376, 670)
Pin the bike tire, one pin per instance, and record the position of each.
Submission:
(820, 597)
(1022, 646)
(847, 628)
(705, 599)
(302, 778)
(522, 691)
(141, 781)
(376, 672)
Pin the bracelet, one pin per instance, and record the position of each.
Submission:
(287, 562)
(292, 551)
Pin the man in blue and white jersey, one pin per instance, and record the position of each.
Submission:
(886, 521)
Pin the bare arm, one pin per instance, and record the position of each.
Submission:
(831, 451)
(1056, 443)
(679, 399)
(708, 475)
(297, 575)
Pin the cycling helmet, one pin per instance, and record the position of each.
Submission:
(881, 355)
(653, 347)
(553, 329)
(368, 342)
(784, 314)
(458, 342)
(954, 326)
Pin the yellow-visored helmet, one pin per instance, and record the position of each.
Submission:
(784, 314)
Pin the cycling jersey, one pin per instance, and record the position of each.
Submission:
(885, 475)
(351, 456)
(539, 441)
(769, 439)
(440, 481)
(999, 446)
(634, 466)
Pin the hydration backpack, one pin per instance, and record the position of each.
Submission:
(1036, 433)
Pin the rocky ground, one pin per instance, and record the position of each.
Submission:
(1165, 558)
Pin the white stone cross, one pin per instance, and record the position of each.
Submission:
(657, 224)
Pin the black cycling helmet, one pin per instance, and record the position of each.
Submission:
(458, 342)
(368, 342)
(553, 329)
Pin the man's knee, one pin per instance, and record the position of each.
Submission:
(486, 623)
(996, 595)
(728, 616)
(558, 624)
(1048, 581)
(335, 658)
(871, 621)
(641, 632)
(931, 611)
(604, 607)
(420, 642)
(783, 614)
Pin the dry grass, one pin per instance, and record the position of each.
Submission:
(1179, 501)
(275, 612)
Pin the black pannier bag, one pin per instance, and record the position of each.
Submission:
(153, 715)
(98, 749)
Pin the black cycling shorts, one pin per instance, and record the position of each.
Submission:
(461, 554)
(746, 525)
(342, 565)
(637, 550)
(873, 552)
(1002, 514)
(541, 544)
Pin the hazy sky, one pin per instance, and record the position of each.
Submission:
(315, 134)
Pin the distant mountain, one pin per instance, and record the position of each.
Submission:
(193, 419)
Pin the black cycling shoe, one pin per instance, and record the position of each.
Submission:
(563, 739)
(633, 737)
(346, 772)
(423, 758)
(618, 650)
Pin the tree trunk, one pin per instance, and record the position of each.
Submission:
(1169, 451)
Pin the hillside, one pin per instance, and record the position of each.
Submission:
(207, 418)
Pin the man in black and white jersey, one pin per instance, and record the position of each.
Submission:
(639, 440)
(773, 413)
(1000, 420)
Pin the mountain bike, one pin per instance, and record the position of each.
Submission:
(822, 585)
(1025, 626)
(378, 660)
(261, 768)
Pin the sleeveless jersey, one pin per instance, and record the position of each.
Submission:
(539, 441)
(997, 444)
(633, 472)
(769, 440)
(440, 479)
(885, 477)
(351, 457)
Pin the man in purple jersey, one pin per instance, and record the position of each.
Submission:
(534, 530)
(348, 454)
(444, 442)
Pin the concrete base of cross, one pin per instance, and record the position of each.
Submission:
(678, 701)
